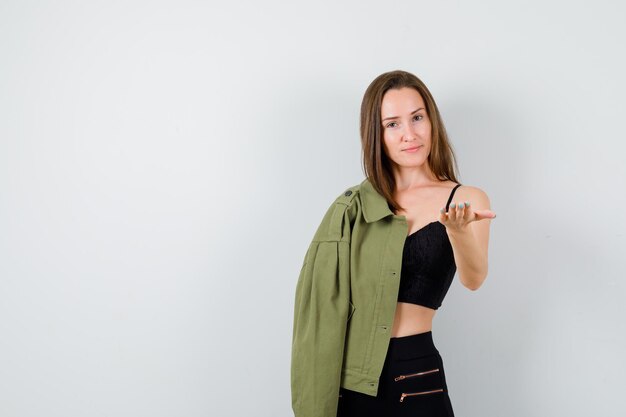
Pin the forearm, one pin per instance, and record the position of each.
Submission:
(470, 259)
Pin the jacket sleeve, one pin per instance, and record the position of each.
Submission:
(321, 312)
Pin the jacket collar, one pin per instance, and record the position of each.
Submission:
(375, 206)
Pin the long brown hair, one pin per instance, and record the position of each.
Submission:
(376, 164)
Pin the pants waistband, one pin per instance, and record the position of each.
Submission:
(415, 345)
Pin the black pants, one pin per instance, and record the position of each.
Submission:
(412, 383)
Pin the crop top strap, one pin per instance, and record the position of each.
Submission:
(451, 194)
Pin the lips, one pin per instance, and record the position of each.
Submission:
(412, 148)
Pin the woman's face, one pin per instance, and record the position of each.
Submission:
(406, 126)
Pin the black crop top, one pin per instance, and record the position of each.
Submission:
(427, 265)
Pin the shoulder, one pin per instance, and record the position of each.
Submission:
(339, 216)
(347, 196)
(475, 195)
(347, 202)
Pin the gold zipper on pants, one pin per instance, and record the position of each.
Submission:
(408, 394)
(398, 378)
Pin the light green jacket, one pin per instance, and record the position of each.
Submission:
(345, 301)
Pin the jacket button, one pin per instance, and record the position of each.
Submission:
(347, 193)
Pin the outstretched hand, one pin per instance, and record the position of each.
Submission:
(457, 218)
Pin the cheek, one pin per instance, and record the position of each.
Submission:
(391, 151)
(386, 140)
(386, 149)
(389, 139)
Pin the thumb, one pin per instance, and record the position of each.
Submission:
(484, 214)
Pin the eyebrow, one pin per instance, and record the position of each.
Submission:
(395, 117)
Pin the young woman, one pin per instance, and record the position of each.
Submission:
(381, 263)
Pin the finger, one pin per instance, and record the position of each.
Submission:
(452, 212)
(442, 215)
(461, 211)
(467, 213)
(484, 214)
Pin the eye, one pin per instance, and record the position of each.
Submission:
(416, 116)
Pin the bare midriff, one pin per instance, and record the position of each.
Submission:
(412, 319)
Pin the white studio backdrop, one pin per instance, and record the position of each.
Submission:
(163, 166)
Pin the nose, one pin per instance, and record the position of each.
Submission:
(409, 134)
